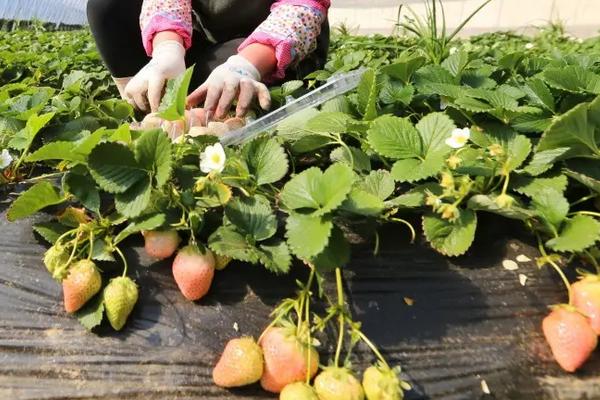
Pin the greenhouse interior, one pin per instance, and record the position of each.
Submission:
(300, 199)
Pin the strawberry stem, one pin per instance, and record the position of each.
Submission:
(556, 268)
(590, 213)
(307, 319)
(413, 234)
(120, 253)
(91, 238)
(341, 316)
(373, 348)
(77, 232)
(593, 260)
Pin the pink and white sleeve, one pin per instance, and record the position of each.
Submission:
(166, 15)
(292, 29)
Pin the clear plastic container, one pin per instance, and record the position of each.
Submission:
(335, 86)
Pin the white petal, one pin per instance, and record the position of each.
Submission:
(455, 144)
(5, 159)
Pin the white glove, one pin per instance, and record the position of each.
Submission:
(237, 77)
(145, 90)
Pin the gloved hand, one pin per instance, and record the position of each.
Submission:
(145, 90)
(237, 77)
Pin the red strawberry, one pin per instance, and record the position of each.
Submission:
(570, 336)
(286, 359)
(235, 123)
(161, 244)
(119, 297)
(240, 364)
(193, 271)
(151, 121)
(195, 117)
(82, 283)
(336, 383)
(586, 297)
(298, 391)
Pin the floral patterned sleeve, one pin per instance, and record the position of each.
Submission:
(166, 15)
(292, 29)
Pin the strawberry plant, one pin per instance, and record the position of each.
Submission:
(501, 123)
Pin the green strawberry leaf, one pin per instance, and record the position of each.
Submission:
(585, 172)
(532, 186)
(36, 198)
(172, 106)
(356, 158)
(395, 138)
(226, 241)
(135, 200)
(575, 79)
(336, 253)
(517, 149)
(544, 160)
(577, 234)
(448, 238)
(83, 187)
(90, 316)
(572, 130)
(50, 230)
(307, 236)
(361, 202)
(379, 183)
(275, 257)
(404, 68)
(551, 206)
(329, 122)
(266, 159)
(368, 94)
(486, 203)
(35, 123)
(153, 153)
(114, 167)
(252, 216)
(394, 92)
(316, 191)
(143, 223)
(55, 151)
(413, 170)
(416, 197)
(539, 94)
(456, 63)
(434, 129)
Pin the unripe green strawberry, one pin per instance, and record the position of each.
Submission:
(240, 364)
(570, 336)
(81, 284)
(161, 244)
(286, 358)
(221, 262)
(194, 271)
(336, 383)
(382, 383)
(298, 391)
(56, 259)
(119, 296)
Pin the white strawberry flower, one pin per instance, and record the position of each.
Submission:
(5, 159)
(453, 50)
(212, 159)
(459, 138)
(529, 46)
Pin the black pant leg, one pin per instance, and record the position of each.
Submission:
(116, 30)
